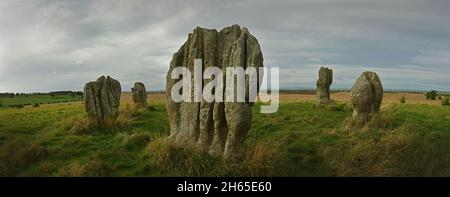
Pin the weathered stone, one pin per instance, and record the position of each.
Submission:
(323, 86)
(102, 100)
(367, 94)
(218, 127)
(139, 95)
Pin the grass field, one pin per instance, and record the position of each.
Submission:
(298, 140)
(37, 99)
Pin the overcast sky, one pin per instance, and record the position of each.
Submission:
(60, 45)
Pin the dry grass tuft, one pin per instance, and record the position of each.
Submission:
(261, 159)
(18, 154)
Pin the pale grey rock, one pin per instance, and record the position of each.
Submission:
(219, 128)
(367, 94)
(323, 86)
(139, 95)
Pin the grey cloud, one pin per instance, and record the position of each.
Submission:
(55, 45)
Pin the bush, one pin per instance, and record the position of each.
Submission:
(36, 105)
(439, 97)
(431, 95)
(1, 104)
(445, 101)
(19, 106)
(403, 99)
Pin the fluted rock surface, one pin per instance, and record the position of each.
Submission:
(218, 127)
(102, 100)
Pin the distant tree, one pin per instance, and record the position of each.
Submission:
(11, 95)
(439, 97)
(1, 103)
(52, 95)
(431, 95)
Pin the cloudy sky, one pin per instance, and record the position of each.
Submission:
(59, 45)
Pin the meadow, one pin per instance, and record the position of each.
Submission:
(299, 140)
(25, 100)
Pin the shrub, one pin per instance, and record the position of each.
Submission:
(439, 97)
(445, 101)
(431, 95)
(1, 104)
(19, 106)
(403, 99)
(36, 105)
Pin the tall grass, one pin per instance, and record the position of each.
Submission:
(298, 140)
(260, 158)
(19, 154)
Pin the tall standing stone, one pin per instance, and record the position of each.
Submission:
(367, 94)
(219, 127)
(102, 100)
(323, 86)
(139, 95)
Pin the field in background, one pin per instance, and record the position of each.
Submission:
(413, 98)
(37, 99)
(298, 140)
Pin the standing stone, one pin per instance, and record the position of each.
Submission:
(323, 86)
(367, 94)
(139, 95)
(102, 100)
(219, 127)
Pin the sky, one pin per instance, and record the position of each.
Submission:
(60, 45)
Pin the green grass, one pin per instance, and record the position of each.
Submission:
(298, 140)
(39, 99)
